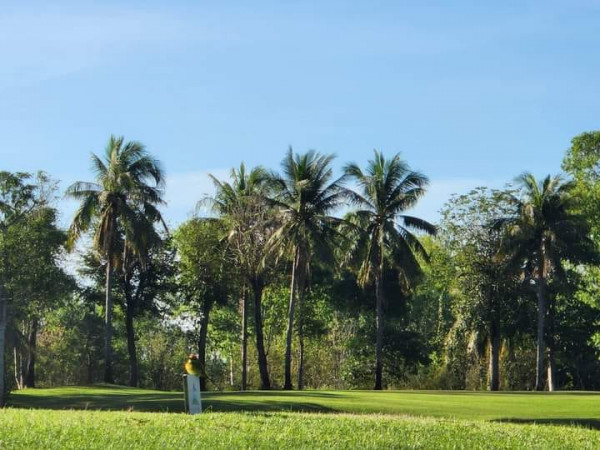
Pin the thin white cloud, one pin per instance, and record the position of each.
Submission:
(38, 45)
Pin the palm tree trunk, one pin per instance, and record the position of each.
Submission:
(379, 339)
(301, 288)
(244, 307)
(131, 347)
(29, 378)
(206, 307)
(494, 365)
(287, 385)
(108, 313)
(263, 368)
(541, 318)
(3, 321)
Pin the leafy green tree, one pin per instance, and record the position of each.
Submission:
(70, 343)
(543, 232)
(37, 281)
(146, 283)
(573, 326)
(489, 284)
(582, 162)
(249, 219)
(20, 196)
(128, 180)
(305, 195)
(204, 276)
(383, 236)
(433, 299)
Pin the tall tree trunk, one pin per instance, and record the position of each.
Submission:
(379, 339)
(29, 379)
(541, 319)
(206, 307)
(17, 368)
(301, 288)
(263, 368)
(551, 370)
(300, 357)
(231, 377)
(494, 365)
(131, 347)
(550, 345)
(244, 308)
(3, 322)
(108, 314)
(287, 385)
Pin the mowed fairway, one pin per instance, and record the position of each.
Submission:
(341, 419)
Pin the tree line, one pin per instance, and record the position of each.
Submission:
(300, 278)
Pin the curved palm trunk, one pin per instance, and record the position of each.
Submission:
(29, 378)
(541, 319)
(379, 339)
(263, 368)
(290, 326)
(244, 305)
(108, 313)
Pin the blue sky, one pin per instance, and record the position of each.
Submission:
(469, 92)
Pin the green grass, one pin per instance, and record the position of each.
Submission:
(322, 419)
(559, 406)
(94, 429)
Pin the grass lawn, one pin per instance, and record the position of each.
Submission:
(364, 419)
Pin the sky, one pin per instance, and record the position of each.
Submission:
(470, 93)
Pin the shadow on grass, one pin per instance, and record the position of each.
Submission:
(593, 424)
(96, 399)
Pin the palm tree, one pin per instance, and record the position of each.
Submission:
(128, 180)
(543, 232)
(383, 237)
(242, 203)
(304, 195)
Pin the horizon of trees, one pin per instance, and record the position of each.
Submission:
(274, 289)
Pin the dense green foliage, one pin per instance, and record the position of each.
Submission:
(302, 275)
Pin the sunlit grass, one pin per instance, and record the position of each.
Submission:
(44, 418)
(454, 404)
(96, 429)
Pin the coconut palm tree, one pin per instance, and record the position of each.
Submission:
(249, 219)
(382, 236)
(128, 180)
(305, 195)
(544, 232)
